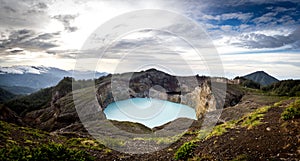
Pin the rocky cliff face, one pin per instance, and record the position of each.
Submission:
(196, 92)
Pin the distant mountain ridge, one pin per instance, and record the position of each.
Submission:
(37, 77)
(262, 78)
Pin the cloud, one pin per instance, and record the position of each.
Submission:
(259, 40)
(266, 18)
(15, 50)
(228, 16)
(29, 14)
(69, 54)
(66, 21)
(29, 40)
(226, 27)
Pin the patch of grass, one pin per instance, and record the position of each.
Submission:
(220, 129)
(113, 142)
(11, 142)
(160, 140)
(242, 157)
(84, 143)
(254, 118)
(4, 130)
(34, 132)
(202, 134)
(47, 152)
(217, 131)
(277, 104)
(293, 111)
(107, 151)
(185, 151)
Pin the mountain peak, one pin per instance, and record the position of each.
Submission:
(260, 72)
(261, 77)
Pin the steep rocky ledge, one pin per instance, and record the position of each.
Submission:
(201, 93)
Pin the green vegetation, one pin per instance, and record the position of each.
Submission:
(242, 157)
(40, 99)
(85, 143)
(64, 86)
(284, 88)
(293, 111)
(5, 95)
(161, 140)
(24, 143)
(248, 83)
(219, 129)
(37, 100)
(51, 151)
(34, 133)
(185, 151)
(255, 117)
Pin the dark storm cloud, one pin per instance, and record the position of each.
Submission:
(30, 40)
(66, 21)
(254, 40)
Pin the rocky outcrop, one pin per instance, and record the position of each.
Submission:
(196, 92)
(8, 115)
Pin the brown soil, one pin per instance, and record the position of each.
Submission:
(275, 139)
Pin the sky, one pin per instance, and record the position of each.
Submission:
(248, 35)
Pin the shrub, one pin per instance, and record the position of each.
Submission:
(185, 151)
(47, 152)
(293, 111)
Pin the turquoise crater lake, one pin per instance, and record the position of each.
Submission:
(148, 111)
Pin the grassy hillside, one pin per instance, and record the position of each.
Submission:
(284, 88)
(5, 95)
(23, 143)
(40, 99)
(37, 100)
